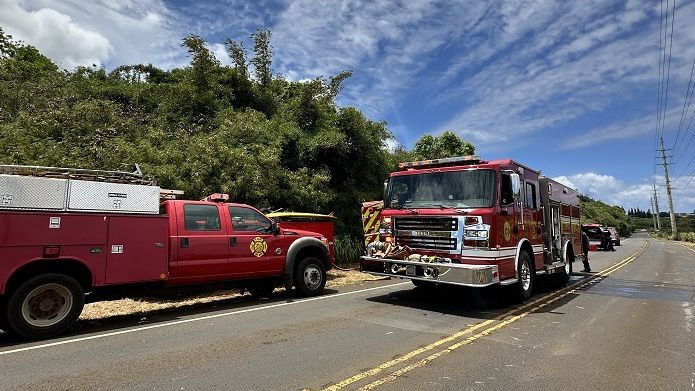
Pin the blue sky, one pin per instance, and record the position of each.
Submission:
(568, 87)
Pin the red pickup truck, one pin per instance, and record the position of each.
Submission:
(49, 259)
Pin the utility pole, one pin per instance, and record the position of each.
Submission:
(651, 200)
(674, 229)
(656, 208)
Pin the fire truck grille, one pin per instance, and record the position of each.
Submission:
(426, 243)
(427, 233)
(427, 223)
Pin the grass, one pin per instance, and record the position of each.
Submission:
(152, 305)
(348, 249)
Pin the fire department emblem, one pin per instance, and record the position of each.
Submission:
(507, 231)
(258, 246)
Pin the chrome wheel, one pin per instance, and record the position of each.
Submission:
(312, 277)
(47, 305)
(525, 276)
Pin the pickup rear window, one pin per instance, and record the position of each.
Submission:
(201, 217)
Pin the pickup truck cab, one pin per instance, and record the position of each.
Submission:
(50, 259)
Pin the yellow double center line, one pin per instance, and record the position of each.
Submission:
(503, 320)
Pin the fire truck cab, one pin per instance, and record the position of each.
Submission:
(470, 222)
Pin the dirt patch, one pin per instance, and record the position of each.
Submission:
(338, 278)
(687, 244)
(142, 306)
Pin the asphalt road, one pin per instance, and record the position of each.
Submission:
(630, 326)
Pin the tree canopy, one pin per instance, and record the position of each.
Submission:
(204, 128)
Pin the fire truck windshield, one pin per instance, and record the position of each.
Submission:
(454, 189)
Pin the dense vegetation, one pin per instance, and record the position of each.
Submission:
(594, 211)
(205, 128)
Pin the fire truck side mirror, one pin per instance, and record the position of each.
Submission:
(516, 185)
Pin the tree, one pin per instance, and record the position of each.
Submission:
(263, 54)
(447, 144)
(238, 54)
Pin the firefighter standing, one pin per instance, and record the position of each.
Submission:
(609, 241)
(585, 250)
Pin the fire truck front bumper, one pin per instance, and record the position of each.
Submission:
(443, 273)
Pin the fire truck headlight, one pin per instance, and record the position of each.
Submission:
(474, 233)
(385, 226)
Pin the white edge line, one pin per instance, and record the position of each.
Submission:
(177, 322)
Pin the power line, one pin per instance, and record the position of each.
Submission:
(688, 96)
(660, 85)
(689, 141)
(668, 69)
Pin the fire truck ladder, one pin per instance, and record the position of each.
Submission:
(135, 177)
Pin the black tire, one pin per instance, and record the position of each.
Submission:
(566, 272)
(28, 314)
(4, 325)
(261, 289)
(310, 276)
(526, 279)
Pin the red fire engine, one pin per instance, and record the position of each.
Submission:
(65, 232)
(466, 221)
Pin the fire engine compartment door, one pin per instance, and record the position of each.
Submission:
(555, 231)
(137, 249)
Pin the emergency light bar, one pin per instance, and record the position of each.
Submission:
(217, 197)
(472, 159)
(166, 194)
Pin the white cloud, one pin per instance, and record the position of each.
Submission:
(387, 44)
(56, 35)
(220, 53)
(614, 191)
(98, 32)
(533, 70)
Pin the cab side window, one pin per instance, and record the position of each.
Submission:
(201, 217)
(246, 219)
(530, 199)
(506, 195)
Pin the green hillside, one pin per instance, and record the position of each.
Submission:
(594, 211)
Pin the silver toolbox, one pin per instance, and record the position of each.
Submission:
(24, 192)
(89, 196)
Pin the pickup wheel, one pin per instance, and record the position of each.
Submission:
(310, 276)
(526, 280)
(44, 306)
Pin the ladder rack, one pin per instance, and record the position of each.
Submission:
(135, 177)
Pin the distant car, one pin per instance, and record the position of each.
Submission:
(614, 235)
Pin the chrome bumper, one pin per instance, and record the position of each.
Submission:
(443, 273)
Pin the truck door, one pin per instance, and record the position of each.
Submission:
(507, 219)
(555, 231)
(203, 250)
(254, 249)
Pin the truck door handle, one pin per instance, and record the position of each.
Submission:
(183, 243)
(232, 242)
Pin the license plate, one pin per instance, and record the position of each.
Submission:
(410, 270)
